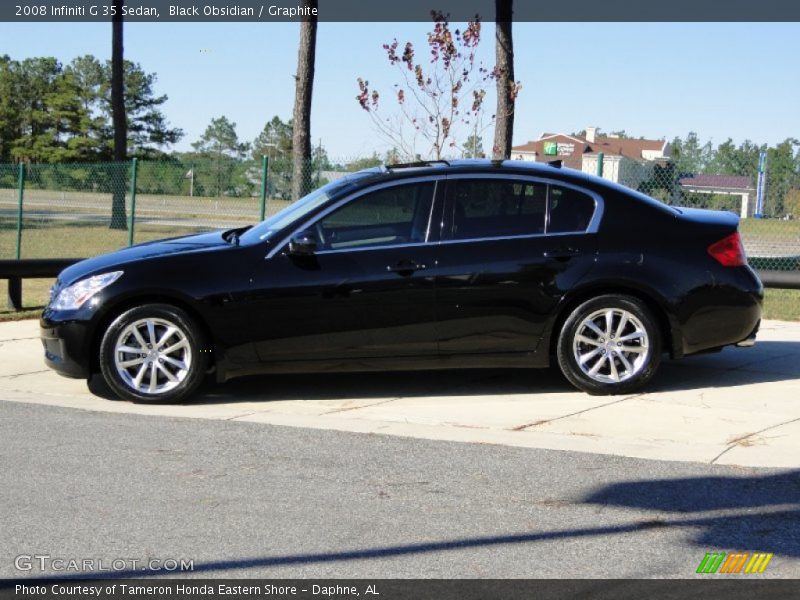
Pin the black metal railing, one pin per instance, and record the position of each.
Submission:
(30, 268)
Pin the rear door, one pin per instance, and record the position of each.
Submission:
(512, 246)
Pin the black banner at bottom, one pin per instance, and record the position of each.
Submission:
(723, 588)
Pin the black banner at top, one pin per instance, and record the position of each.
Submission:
(399, 10)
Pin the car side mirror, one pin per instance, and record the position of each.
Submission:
(303, 243)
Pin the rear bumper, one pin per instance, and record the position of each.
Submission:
(724, 314)
(750, 340)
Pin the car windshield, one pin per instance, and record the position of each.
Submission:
(296, 210)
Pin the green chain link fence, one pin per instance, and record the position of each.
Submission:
(74, 210)
(84, 209)
(9, 192)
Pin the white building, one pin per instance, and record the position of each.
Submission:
(625, 160)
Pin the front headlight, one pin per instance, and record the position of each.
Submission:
(74, 296)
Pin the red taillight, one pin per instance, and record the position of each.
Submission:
(729, 251)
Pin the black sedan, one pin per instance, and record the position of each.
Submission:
(464, 264)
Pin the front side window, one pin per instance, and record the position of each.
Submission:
(385, 217)
(496, 208)
(303, 207)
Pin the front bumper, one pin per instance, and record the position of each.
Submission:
(66, 347)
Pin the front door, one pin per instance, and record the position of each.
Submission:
(368, 290)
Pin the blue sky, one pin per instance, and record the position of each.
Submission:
(654, 80)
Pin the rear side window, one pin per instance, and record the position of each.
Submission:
(496, 208)
(570, 210)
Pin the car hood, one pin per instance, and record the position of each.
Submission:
(114, 260)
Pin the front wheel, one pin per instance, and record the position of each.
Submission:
(153, 353)
(610, 345)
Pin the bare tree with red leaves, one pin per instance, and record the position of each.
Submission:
(440, 103)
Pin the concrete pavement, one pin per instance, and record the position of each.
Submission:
(738, 407)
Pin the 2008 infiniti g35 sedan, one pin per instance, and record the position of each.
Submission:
(436, 265)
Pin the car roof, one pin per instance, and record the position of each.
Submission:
(440, 167)
(550, 170)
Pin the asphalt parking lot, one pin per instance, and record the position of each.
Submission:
(738, 407)
(550, 482)
(255, 500)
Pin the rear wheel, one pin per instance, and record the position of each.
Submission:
(610, 345)
(153, 353)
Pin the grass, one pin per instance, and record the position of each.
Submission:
(59, 224)
(772, 243)
(770, 229)
(79, 239)
(783, 305)
(35, 293)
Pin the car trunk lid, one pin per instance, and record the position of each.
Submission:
(720, 219)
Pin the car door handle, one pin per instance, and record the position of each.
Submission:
(562, 253)
(406, 267)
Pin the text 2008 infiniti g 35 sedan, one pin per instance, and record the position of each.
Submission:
(437, 265)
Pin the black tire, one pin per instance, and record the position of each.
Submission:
(642, 353)
(191, 352)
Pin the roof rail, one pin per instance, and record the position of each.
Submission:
(418, 164)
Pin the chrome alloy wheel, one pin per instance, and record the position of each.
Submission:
(611, 345)
(152, 356)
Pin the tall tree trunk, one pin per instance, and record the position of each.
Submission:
(119, 119)
(301, 134)
(504, 50)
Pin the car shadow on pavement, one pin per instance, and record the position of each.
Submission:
(387, 384)
(761, 512)
(768, 361)
(390, 384)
